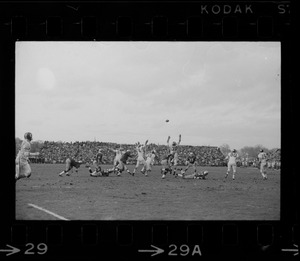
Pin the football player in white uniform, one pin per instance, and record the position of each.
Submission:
(173, 149)
(262, 158)
(140, 149)
(119, 152)
(232, 157)
(150, 157)
(23, 169)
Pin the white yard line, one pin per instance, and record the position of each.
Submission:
(47, 211)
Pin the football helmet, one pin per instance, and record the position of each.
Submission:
(28, 136)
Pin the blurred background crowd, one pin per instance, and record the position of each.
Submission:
(57, 152)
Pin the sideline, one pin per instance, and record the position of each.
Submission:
(49, 212)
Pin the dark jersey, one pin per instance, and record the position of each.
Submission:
(125, 157)
(168, 157)
(74, 164)
(99, 158)
(191, 159)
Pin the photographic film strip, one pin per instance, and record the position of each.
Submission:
(56, 237)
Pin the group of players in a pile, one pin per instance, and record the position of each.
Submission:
(145, 159)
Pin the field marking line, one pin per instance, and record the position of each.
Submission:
(47, 211)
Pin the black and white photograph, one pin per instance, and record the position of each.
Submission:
(147, 130)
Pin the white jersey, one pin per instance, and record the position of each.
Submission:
(150, 158)
(24, 151)
(140, 152)
(232, 156)
(262, 157)
(118, 154)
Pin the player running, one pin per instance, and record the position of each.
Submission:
(166, 163)
(97, 163)
(23, 169)
(140, 149)
(232, 157)
(150, 157)
(173, 149)
(262, 158)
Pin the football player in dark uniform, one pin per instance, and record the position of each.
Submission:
(166, 163)
(70, 163)
(97, 163)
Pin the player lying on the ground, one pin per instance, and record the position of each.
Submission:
(150, 157)
(173, 149)
(97, 163)
(191, 162)
(101, 173)
(23, 169)
(166, 163)
(140, 149)
(70, 163)
(195, 175)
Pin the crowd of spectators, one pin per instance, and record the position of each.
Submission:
(58, 152)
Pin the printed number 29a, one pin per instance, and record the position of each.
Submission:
(41, 249)
(184, 250)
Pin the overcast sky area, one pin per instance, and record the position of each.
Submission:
(213, 93)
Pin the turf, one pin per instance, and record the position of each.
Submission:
(81, 197)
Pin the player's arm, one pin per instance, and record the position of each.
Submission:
(168, 140)
(179, 139)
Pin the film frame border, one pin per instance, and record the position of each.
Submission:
(163, 21)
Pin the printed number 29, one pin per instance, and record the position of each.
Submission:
(42, 249)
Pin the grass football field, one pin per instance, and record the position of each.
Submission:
(46, 196)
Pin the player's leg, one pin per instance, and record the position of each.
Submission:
(195, 168)
(23, 170)
(17, 176)
(144, 164)
(164, 169)
(263, 170)
(233, 171)
(175, 163)
(67, 169)
(187, 166)
(136, 166)
(127, 170)
(119, 168)
(146, 168)
(228, 169)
